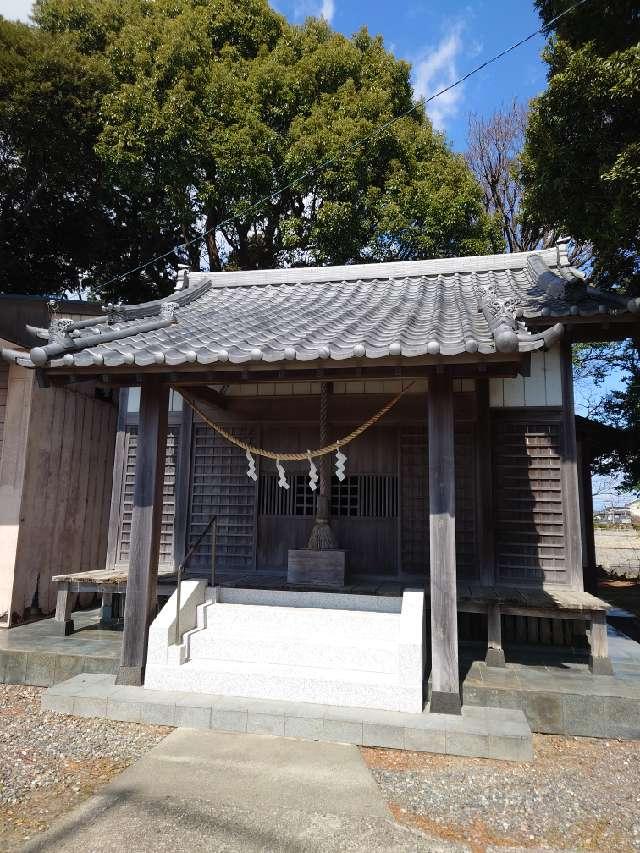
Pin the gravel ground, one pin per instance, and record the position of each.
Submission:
(49, 763)
(577, 794)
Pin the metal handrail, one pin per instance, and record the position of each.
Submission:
(210, 526)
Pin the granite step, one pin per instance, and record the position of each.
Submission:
(347, 687)
(233, 645)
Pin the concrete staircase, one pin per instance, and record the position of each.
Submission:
(325, 648)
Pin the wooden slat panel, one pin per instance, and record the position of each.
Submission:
(530, 525)
(219, 484)
(4, 382)
(168, 507)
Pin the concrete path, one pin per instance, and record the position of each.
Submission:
(211, 791)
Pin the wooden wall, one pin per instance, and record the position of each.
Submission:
(542, 387)
(381, 511)
(66, 492)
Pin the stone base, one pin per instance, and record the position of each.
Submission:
(445, 703)
(324, 568)
(478, 732)
(132, 676)
(65, 629)
(495, 657)
(600, 666)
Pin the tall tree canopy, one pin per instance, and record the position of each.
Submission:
(191, 114)
(581, 167)
(582, 152)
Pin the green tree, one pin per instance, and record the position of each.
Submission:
(582, 152)
(210, 110)
(62, 223)
(581, 168)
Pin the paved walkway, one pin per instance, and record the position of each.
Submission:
(208, 791)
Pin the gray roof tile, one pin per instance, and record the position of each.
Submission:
(443, 307)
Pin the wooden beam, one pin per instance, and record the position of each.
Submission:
(207, 395)
(569, 473)
(144, 549)
(445, 689)
(484, 487)
(118, 479)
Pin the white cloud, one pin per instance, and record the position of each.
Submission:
(436, 70)
(310, 8)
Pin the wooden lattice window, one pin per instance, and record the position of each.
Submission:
(357, 496)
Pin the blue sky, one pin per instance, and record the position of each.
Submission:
(442, 40)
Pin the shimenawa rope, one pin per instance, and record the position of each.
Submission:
(294, 457)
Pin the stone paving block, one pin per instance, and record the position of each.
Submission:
(67, 666)
(265, 724)
(58, 702)
(15, 669)
(99, 665)
(544, 712)
(228, 720)
(193, 717)
(622, 718)
(423, 740)
(3, 660)
(309, 728)
(342, 731)
(508, 748)
(86, 706)
(40, 669)
(463, 743)
(125, 712)
(584, 716)
(159, 713)
(376, 734)
(494, 698)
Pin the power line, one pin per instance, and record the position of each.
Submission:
(543, 30)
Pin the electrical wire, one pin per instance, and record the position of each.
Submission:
(422, 102)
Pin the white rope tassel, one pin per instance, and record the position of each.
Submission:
(251, 470)
(340, 463)
(313, 473)
(282, 481)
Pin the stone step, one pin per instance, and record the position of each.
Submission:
(347, 687)
(260, 621)
(214, 643)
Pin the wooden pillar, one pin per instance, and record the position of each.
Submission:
(599, 660)
(144, 548)
(63, 623)
(484, 488)
(445, 687)
(495, 652)
(570, 492)
(589, 558)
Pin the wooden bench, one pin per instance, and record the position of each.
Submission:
(548, 602)
(108, 582)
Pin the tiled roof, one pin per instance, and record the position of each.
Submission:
(441, 307)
